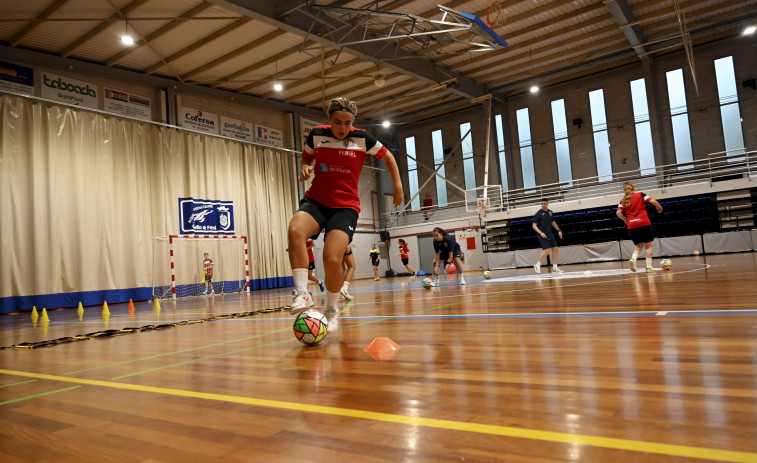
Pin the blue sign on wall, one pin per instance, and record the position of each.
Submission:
(206, 217)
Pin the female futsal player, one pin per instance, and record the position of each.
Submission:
(636, 219)
(349, 271)
(332, 202)
(448, 251)
(375, 258)
(403, 255)
(311, 265)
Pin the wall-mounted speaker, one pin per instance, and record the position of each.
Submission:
(578, 122)
(750, 83)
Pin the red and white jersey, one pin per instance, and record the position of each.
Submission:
(636, 212)
(338, 164)
(403, 251)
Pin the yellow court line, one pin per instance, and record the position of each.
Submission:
(507, 431)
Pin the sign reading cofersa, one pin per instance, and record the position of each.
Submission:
(206, 217)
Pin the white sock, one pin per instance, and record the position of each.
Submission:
(301, 279)
(346, 286)
(331, 298)
(635, 255)
(554, 266)
(649, 262)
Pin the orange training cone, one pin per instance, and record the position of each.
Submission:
(131, 306)
(382, 349)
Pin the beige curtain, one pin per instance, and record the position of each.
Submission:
(81, 195)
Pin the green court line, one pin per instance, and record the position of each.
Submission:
(41, 394)
(18, 383)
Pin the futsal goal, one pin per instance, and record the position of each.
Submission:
(178, 269)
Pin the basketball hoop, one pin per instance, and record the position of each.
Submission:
(494, 16)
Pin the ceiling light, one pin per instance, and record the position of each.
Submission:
(278, 87)
(386, 124)
(127, 39)
(379, 81)
(749, 30)
(534, 89)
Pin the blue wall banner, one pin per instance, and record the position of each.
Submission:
(16, 78)
(206, 217)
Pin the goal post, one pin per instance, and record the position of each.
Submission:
(178, 271)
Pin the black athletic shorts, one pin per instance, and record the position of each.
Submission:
(311, 266)
(329, 218)
(548, 242)
(208, 278)
(405, 261)
(641, 235)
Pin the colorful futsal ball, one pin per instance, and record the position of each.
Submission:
(427, 283)
(450, 268)
(487, 274)
(310, 327)
(665, 264)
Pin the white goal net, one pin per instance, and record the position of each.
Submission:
(178, 268)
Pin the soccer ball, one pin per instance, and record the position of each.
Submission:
(310, 327)
(665, 264)
(450, 268)
(487, 274)
(427, 283)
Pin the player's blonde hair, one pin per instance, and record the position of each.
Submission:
(341, 104)
(627, 192)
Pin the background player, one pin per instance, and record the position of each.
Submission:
(332, 201)
(633, 211)
(375, 258)
(403, 255)
(207, 274)
(543, 224)
(446, 247)
(311, 265)
(349, 272)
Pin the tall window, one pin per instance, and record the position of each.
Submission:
(526, 152)
(679, 116)
(468, 164)
(729, 105)
(601, 139)
(562, 147)
(412, 173)
(643, 128)
(501, 150)
(441, 185)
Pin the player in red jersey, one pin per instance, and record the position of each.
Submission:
(335, 155)
(405, 259)
(632, 210)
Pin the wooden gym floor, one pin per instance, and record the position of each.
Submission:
(596, 365)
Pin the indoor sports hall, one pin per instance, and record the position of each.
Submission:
(151, 158)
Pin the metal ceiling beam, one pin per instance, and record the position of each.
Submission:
(388, 57)
(119, 14)
(32, 25)
(623, 14)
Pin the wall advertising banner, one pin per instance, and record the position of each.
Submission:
(68, 90)
(237, 129)
(206, 217)
(197, 119)
(126, 104)
(268, 136)
(17, 79)
(306, 126)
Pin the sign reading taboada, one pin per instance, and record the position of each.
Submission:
(68, 90)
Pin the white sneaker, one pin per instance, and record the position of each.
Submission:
(346, 295)
(462, 280)
(376, 279)
(557, 270)
(537, 267)
(302, 301)
(632, 263)
(332, 316)
(436, 281)
(204, 293)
